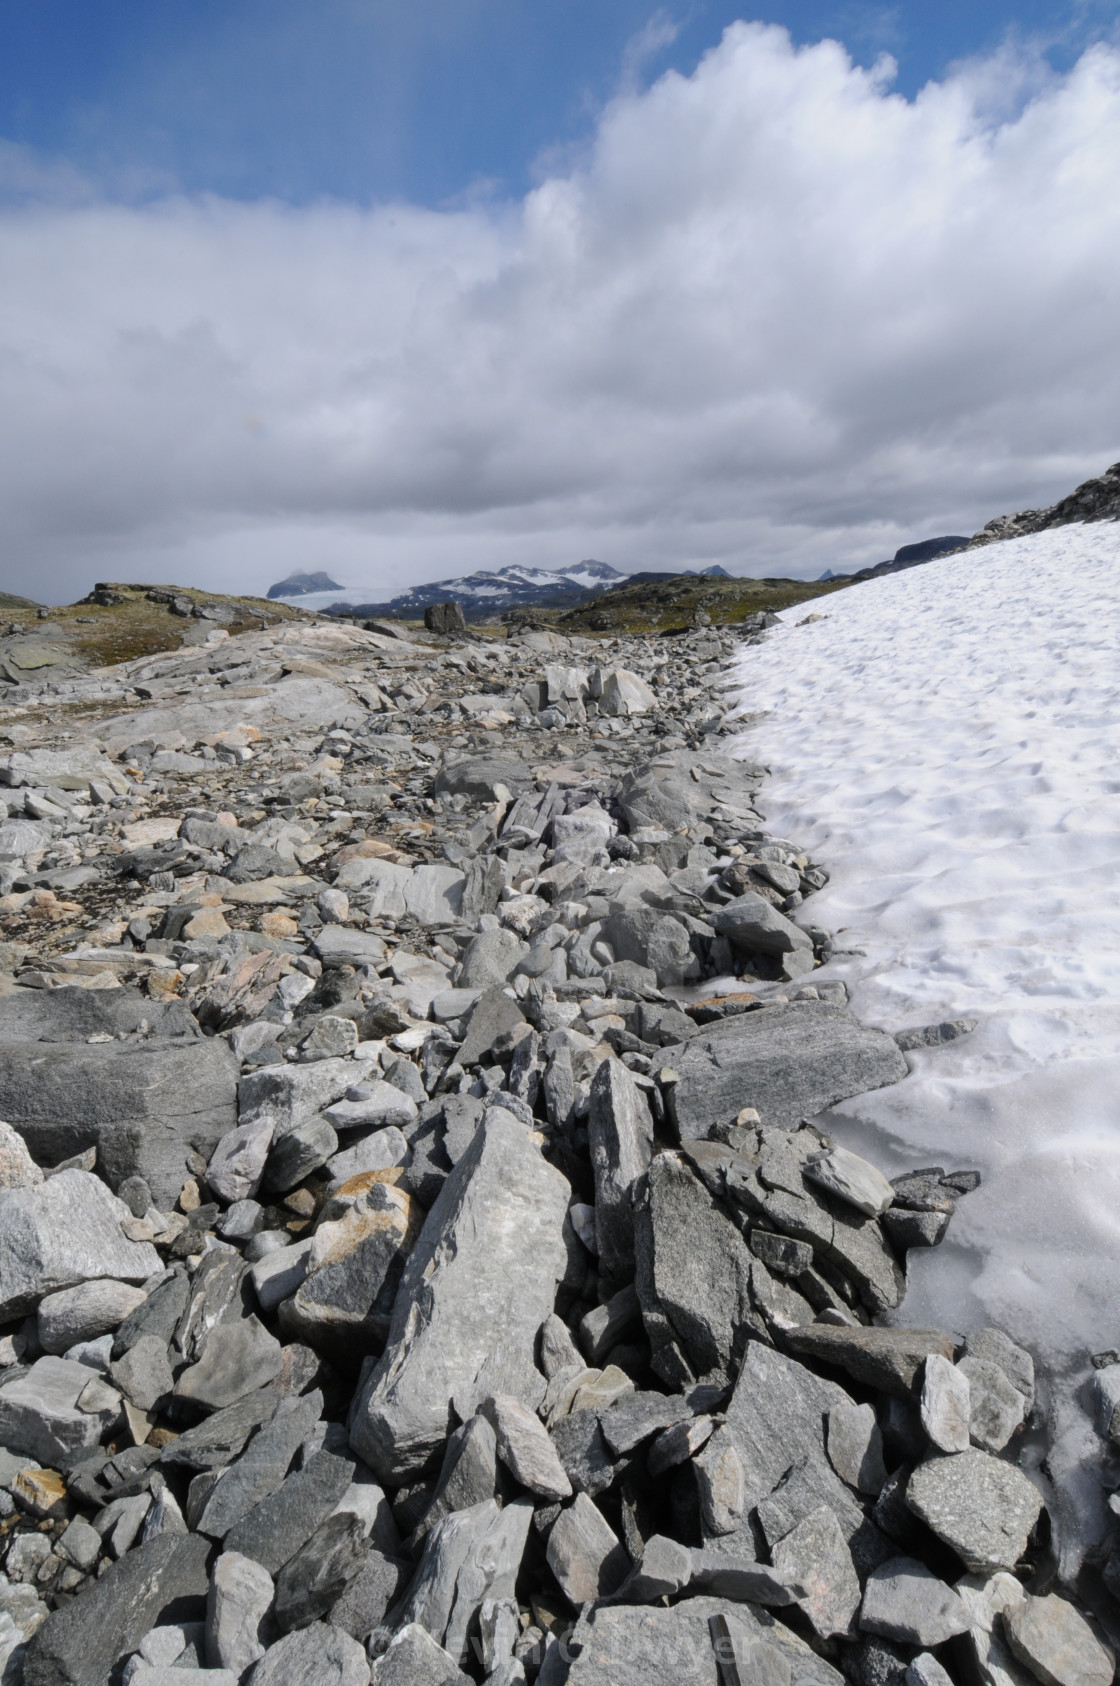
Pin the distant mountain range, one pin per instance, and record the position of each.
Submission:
(909, 556)
(482, 595)
(303, 585)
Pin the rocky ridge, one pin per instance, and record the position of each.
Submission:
(417, 1257)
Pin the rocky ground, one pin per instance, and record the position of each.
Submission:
(416, 1264)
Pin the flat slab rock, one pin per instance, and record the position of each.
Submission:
(144, 1106)
(789, 1062)
(624, 1645)
(478, 1284)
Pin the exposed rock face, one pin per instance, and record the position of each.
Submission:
(1093, 500)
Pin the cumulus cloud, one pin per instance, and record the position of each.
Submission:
(778, 318)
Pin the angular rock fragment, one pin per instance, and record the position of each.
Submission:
(82, 1313)
(525, 1449)
(788, 1062)
(855, 1447)
(945, 1404)
(996, 1408)
(42, 1413)
(414, 1659)
(903, 1600)
(237, 1606)
(982, 1507)
(889, 1359)
(314, 1656)
(477, 1287)
(275, 1529)
(1057, 1644)
(851, 1179)
(61, 1232)
(816, 1553)
(693, 1276)
(620, 1135)
(584, 1554)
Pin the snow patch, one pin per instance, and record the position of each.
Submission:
(947, 742)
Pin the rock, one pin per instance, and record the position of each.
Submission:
(377, 1152)
(275, 1529)
(277, 1275)
(470, 1557)
(775, 1424)
(478, 1284)
(17, 1168)
(888, 1359)
(855, 1447)
(240, 1357)
(788, 1062)
(996, 1408)
(634, 1645)
(144, 1106)
(296, 1094)
(620, 1137)
(260, 1469)
(60, 1233)
(903, 1600)
(214, 1443)
(319, 1573)
(445, 618)
(654, 939)
(378, 1586)
(988, 1599)
(982, 1507)
(754, 924)
(525, 1449)
(693, 1276)
(745, 1582)
(40, 1413)
(144, 1374)
(1016, 1363)
(236, 1612)
(584, 1554)
(621, 692)
(414, 1659)
(379, 1105)
(354, 1268)
(945, 1405)
(237, 1163)
(816, 1553)
(83, 1313)
(81, 1544)
(851, 1179)
(314, 1656)
(927, 1671)
(663, 1570)
(345, 945)
(296, 1153)
(1057, 1644)
(490, 959)
(469, 1473)
(164, 1579)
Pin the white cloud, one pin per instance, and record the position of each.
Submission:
(779, 318)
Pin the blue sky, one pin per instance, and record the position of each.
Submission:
(404, 290)
(422, 100)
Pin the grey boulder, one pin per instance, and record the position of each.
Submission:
(161, 1581)
(64, 1231)
(477, 1286)
(84, 1312)
(40, 1413)
(903, 1600)
(982, 1507)
(789, 1062)
(1057, 1644)
(314, 1656)
(144, 1106)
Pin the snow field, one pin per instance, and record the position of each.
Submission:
(946, 741)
